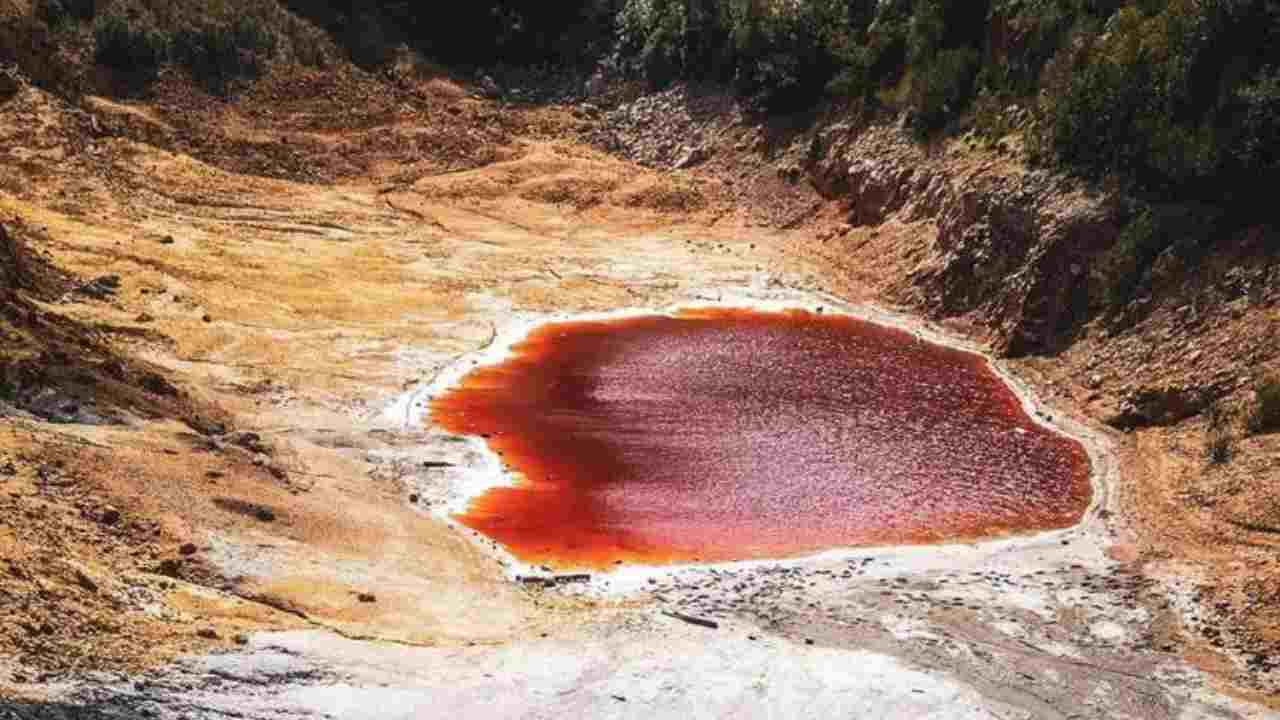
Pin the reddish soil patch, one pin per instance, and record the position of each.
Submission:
(720, 435)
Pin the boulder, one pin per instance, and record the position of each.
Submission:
(1158, 406)
(690, 157)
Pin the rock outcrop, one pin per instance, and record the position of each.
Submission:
(1018, 249)
(1150, 406)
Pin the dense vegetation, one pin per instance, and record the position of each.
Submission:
(1180, 96)
(218, 42)
(1264, 416)
(1179, 99)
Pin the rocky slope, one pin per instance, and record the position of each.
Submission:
(1025, 258)
(965, 232)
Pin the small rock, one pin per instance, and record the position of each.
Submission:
(571, 578)
(689, 158)
(207, 318)
(252, 442)
(167, 240)
(101, 288)
(188, 549)
(367, 597)
(207, 633)
(169, 567)
(264, 514)
(413, 498)
(85, 581)
(110, 516)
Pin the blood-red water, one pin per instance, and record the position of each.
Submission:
(731, 434)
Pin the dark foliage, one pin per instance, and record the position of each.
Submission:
(59, 13)
(1182, 97)
(216, 54)
(475, 33)
(1181, 234)
(1264, 416)
(129, 46)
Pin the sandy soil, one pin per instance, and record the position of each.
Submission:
(321, 577)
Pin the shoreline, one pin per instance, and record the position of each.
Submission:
(413, 408)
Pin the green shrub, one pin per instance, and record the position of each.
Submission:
(942, 42)
(1184, 233)
(778, 54)
(369, 41)
(854, 78)
(653, 34)
(482, 32)
(1264, 416)
(1174, 94)
(1253, 137)
(1032, 31)
(130, 46)
(1137, 247)
(61, 15)
(51, 10)
(940, 88)
(788, 52)
(215, 54)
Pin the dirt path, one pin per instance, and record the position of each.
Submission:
(319, 317)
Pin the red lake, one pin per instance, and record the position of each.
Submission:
(716, 435)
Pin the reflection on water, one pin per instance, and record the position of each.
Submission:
(732, 434)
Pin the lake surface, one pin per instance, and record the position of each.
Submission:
(716, 435)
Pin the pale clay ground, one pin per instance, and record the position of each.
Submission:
(358, 303)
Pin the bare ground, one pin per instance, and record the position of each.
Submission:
(249, 546)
